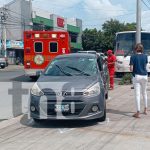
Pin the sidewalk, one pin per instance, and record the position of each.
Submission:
(12, 68)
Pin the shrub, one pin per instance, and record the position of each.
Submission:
(126, 79)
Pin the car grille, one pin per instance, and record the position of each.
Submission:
(50, 92)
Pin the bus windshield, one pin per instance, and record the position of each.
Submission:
(145, 40)
(125, 43)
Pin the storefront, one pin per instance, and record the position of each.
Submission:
(14, 51)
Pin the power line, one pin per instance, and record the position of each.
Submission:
(145, 4)
(148, 1)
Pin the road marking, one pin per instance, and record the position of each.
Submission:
(109, 98)
(106, 122)
(64, 130)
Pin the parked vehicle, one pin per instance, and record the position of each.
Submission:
(41, 47)
(3, 62)
(101, 59)
(71, 87)
(124, 48)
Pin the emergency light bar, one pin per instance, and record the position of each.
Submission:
(37, 35)
(54, 35)
(62, 36)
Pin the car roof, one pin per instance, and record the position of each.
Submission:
(89, 51)
(86, 55)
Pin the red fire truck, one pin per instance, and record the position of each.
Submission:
(41, 47)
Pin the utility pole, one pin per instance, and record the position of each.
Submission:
(3, 18)
(138, 22)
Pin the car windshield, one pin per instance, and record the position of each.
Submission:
(72, 67)
(125, 44)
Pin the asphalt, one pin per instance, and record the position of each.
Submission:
(12, 68)
(120, 131)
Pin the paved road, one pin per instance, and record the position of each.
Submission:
(12, 78)
(120, 131)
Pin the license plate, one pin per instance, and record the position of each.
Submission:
(62, 108)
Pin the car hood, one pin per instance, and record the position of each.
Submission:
(67, 82)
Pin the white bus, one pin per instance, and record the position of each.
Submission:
(124, 48)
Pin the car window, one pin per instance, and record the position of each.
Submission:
(100, 63)
(53, 47)
(72, 67)
(38, 47)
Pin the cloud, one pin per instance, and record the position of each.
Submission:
(103, 8)
(57, 6)
(145, 20)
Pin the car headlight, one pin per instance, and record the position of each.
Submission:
(92, 91)
(35, 90)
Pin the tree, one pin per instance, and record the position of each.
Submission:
(130, 27)
(91, 39)
(111, 27)
(104, 39)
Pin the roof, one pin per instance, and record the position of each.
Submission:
(131, 32)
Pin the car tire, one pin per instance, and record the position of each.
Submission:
(36, 120)
(106, 95)
(2, 67)
(103, 118)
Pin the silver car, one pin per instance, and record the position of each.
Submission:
(71, 87)
(3, 62)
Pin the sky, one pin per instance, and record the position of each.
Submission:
(95, 12)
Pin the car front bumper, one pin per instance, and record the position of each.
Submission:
(82, 108)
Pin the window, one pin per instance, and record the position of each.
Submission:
(72, 66)
(38, 47)
(53, 47)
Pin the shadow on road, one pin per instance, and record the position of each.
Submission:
(113, 111)
(23, 78)
(57, 123)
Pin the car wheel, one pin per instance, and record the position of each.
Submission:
(106, 95)
(2, 67)
(36, 120)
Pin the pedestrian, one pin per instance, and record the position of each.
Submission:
(111, 59)
(138, 63)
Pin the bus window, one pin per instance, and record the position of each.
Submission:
(53, 47)
(38, 47)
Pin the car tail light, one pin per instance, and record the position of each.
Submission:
(28, 64)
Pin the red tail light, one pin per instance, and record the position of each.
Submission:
(28, 64)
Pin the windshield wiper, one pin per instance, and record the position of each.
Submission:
(66, 73)
(78, 70)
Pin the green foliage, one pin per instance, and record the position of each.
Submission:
(102, 40)
(126, 79)
(91, 39)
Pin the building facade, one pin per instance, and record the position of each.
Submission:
(19, 16)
